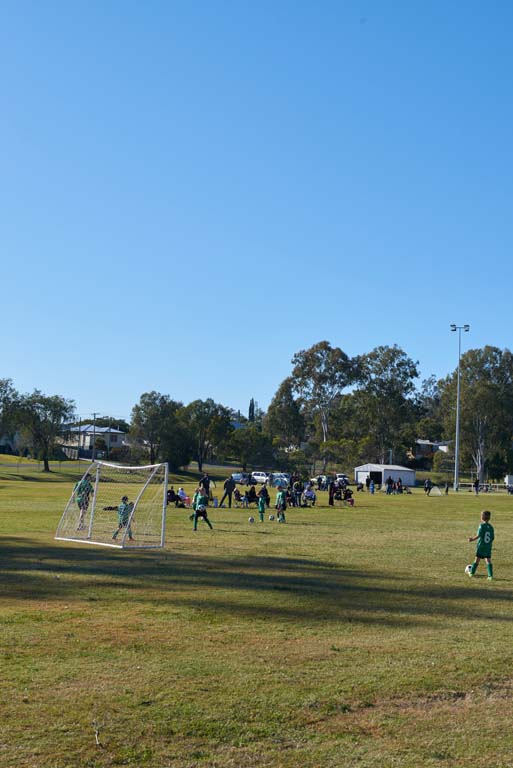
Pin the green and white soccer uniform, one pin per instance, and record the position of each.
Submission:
(124, 511)
(83, 490)
(485, 537)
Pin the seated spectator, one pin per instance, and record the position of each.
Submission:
(347, 497)
(240, 498)
(309, 497)
(252, 495)
(173, 498)
(184, 498)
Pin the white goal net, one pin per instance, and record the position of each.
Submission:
(113, 506)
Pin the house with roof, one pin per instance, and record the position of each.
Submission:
(80, 441)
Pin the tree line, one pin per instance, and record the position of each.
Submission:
(331, 408)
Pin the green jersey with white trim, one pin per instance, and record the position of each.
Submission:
(486, 535)
(124, 511)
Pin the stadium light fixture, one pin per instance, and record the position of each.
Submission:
(466, 329)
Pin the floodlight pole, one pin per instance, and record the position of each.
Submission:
(458, 328)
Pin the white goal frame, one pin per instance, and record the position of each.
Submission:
(94, 469)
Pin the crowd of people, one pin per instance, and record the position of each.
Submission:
(298, 493)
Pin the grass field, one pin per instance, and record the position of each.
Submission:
(343, 638)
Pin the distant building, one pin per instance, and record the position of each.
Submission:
(78, 442)
(381, 472)
(425, 449)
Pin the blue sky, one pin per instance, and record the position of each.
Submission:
(191, 192)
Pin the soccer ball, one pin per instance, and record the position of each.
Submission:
(271, 517)
(251, 519)
(468, 569)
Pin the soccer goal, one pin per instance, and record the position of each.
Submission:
(113, 506)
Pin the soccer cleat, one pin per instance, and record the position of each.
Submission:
(490, 578)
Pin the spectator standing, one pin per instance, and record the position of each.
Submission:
(331, 492)
(229, 487)
(296, 491)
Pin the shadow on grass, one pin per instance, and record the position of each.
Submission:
(256, 587)
(42, 477)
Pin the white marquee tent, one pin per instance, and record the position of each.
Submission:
(381, 472)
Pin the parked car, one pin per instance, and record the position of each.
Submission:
(260, 477)
(325, 479)
(243, 478)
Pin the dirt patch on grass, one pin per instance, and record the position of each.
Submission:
(332, 716)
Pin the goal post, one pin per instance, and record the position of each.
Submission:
(117, 506)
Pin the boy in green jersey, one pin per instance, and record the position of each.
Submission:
(83, 491)
(484, 537)
(281, 504)
(201, 511)
(124, 511)
(199, 505)
(261, 507)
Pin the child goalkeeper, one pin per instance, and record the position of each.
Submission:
(124, 511)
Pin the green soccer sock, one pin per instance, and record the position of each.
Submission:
(474, 568)
(489, 568)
